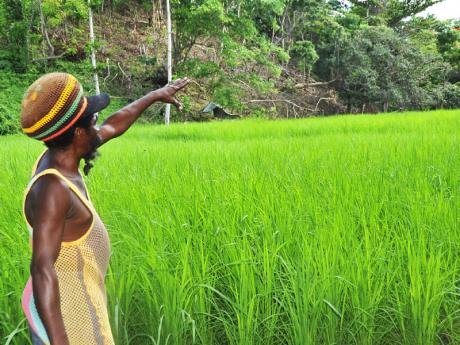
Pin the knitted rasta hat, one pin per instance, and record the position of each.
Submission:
(54, 103)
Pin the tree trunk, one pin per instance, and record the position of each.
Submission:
(169, 66)
(385, 106)
(43, 30)
(93, 54)
(160, 8)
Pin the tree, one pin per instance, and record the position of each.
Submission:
(378, 69)
(196, 19)
(305, 54)
(397, 10)
(15, 39)
(435, 36)
(390, 12)
(448, 36)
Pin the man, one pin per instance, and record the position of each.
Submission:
(64, 299)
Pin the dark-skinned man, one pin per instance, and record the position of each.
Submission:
(64, 299)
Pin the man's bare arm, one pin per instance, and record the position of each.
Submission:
(50, 202)
(119, 122)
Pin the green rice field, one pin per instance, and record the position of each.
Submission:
(341, 230)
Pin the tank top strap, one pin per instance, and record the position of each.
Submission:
(69, 183)
(37, 161)
(34, 169)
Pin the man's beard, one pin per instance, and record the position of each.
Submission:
(91, 156)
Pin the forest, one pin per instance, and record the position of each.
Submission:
(261, 58)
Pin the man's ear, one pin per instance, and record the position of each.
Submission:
(79, 132)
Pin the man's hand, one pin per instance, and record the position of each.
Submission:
(167, 94)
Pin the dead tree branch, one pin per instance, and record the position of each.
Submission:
(48, 58)
(303, 85)
(322, 99)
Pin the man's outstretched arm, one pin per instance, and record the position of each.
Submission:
(119, 122)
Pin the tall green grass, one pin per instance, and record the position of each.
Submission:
(340, 230)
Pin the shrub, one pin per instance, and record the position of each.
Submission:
(9, 123)
(451, 96)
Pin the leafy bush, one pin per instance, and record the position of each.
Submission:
(227, 95)
(58, 11)
(380, 69)
(12, 87)
(451, 96)
(305, 54)
(9, 123)
(197, 68)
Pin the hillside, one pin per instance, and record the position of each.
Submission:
(132, 59)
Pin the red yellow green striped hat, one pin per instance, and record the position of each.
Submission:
(54, 103)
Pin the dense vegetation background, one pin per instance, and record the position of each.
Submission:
(276, 58)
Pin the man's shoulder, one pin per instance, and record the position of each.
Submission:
(49, 185)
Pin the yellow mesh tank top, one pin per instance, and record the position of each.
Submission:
(81, 267)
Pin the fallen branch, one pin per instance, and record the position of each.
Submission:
(123, 72)
(321, 99)
(321, 83)
(275, 100)
(48, 58)
(246, 86)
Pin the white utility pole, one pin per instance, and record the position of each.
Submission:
(169, 67)
(93, 54)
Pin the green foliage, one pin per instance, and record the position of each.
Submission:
(435, 36)
(378, 67)
(390, 12)
(3, 19)
(451, 96)
(449, 44)
(260, 84)
(305, 54)
(197, 68)
(59, 11)
(235, 53)
(225, 94)
(350, 21)
(9, 123)
(12, 88)
(13, 36)
(204, 18)
(265, 13)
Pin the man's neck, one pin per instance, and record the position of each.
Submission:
(66, 160)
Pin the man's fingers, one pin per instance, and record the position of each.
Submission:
(179, 106)
(180, 83)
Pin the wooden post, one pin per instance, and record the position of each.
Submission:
(169, 66)
(93, 54)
